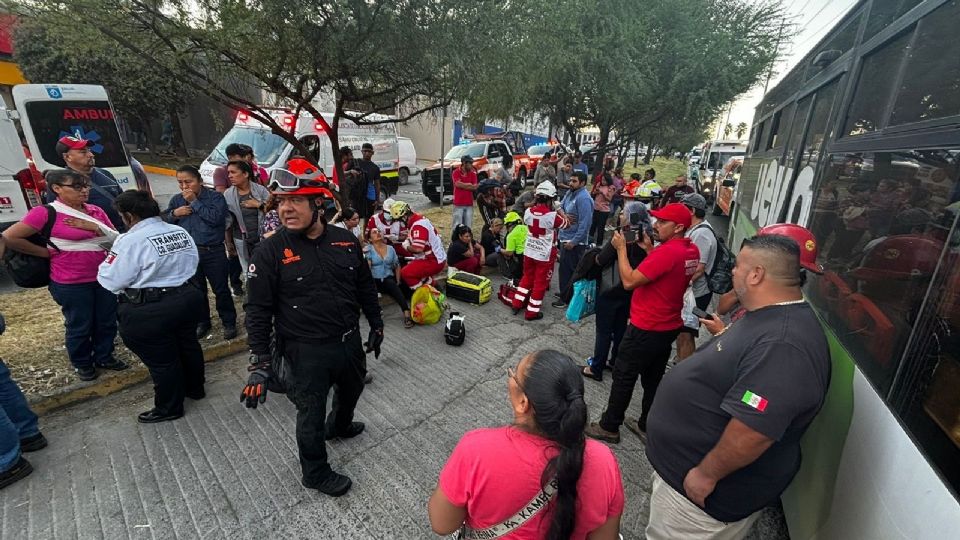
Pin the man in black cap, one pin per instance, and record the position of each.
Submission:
(372, 172)
(78, 157)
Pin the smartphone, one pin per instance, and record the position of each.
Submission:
(630, 235)
(701, 313)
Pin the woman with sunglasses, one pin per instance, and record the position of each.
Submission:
(541, 460)
(80, 232)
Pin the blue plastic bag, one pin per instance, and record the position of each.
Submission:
(584, 301)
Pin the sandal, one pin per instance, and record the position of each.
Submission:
(587, 372)
(407, 322)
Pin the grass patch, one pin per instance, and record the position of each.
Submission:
(667, 169)
(33, 346)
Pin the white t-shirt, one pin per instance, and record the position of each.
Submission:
(706, 242)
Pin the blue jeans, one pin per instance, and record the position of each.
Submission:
(568, 263)
(90, 314)
(613, 310)
(17, 421)
(462, 214)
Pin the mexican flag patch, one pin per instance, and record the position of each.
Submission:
(756, 401)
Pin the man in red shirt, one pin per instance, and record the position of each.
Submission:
(658, 284)
(464, 184)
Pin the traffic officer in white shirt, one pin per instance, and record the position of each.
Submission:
(149, 267)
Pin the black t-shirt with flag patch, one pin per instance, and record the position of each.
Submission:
(770, 370)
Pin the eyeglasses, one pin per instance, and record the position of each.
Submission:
(77, 187)
(513, 375)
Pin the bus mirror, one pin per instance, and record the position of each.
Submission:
(825, 58)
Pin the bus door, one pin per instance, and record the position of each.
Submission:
(48, 112)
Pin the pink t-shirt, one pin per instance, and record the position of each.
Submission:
(495, 472)
(68, 267)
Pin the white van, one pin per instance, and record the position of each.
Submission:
(45, 113)
(273, 152)
(408, 160)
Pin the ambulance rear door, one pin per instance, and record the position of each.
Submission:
(13, 205)
(50, 111)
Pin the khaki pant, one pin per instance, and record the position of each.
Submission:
(673, 516)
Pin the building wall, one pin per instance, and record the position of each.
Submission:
(425, 132)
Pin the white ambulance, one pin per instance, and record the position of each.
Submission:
(29, 134)
(273, 152)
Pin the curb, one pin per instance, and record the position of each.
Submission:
(159, 170)
(121, 380)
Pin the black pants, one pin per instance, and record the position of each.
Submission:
(233, 272)
(643, 354)
(389, 287)
(213, 268)
(568, 263)
(164, 335)
(598, 228)
(313, 370)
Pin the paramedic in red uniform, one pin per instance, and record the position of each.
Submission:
(425, 244)
(394, 231)
(539, 253)
(658, 286)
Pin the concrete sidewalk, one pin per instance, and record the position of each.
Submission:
(224, 471)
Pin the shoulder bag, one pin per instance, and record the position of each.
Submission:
(515, 521)
(30, 271)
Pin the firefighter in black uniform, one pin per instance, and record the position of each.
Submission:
(308, 284)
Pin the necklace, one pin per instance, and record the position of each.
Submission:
(790, 302)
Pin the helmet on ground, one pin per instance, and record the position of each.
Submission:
(400, 209)
(900, 257)
(546, 188)
(454, 333)
(803, 237)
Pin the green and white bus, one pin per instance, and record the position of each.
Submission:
(861, 144)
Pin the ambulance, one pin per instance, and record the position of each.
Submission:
(273, 152)
(28, 134)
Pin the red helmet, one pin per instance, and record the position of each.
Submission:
(900, 257)
(803, 237)
(285, 183)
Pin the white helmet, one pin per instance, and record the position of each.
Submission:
(546, 188)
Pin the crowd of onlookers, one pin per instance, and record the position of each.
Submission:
(720, 429)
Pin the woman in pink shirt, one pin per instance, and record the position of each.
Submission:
(603, 194)
(89, 310)
(495, 476)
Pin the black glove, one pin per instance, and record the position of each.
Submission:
(255, 392)
(374, 340)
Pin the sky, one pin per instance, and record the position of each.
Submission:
(813, 20)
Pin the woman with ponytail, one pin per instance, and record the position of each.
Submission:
(537, 478)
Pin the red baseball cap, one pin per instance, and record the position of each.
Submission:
(675, 212)
(70, 142)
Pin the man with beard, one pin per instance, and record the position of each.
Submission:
(308, 284)
(78, 157)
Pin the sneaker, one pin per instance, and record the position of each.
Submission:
(640, 430)
(587, 371)
(86, 373)
(558, 304)
(594, 431)
(230, 332)
(203, 330)
(334, 485)
(33, 443)
(114, 365)
(20, 470)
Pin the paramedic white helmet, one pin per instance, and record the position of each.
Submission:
(546, 188)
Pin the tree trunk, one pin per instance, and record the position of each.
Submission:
(601, 150)
(179, 146)
(636, 153)
(649, 155)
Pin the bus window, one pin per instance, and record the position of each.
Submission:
(817, 132)
(884, 13)
(774, 130)
(796, 130)
(875, 87)
(882, 221)
(932, 75)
